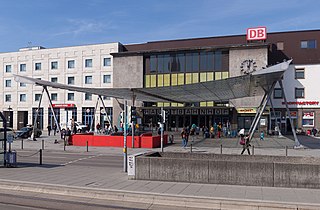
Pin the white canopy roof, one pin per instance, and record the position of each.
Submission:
(218, 90)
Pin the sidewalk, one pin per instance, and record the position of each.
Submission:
(104, 183)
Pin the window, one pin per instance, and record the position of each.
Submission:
(54, 79)
(88, 80)
(8, 68)
(88, 97)
(88, 63)
(106, 78)
(308, 44)
(8, 98)
(8, 83)
(37, 66)
(299, 92)
(23, 67)
(70, 96)
(70, 80)
(277, 93)
(54, 65)
(71, 64)
(106, 98)
(22, 84)
(280, 46)
(107, 62)
(54, 96)
(23, 97)
(37, 97)
(299, 73)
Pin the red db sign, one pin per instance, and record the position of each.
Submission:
(259, 33)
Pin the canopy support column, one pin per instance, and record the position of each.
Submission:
(296, 141)
(51, 107)
(94, 115)
(105, 109)
(277, 127)
(37, 114)
(261, 110)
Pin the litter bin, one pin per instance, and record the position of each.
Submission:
(11, 158)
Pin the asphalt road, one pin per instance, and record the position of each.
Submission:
(56, 159)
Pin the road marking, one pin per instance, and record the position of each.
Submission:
(80, 159)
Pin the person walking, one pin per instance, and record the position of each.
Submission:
(54, 129)
(49, 129)
(67, 136)
(262, 136)
(246, 144)
(98, 127)
(184, 137)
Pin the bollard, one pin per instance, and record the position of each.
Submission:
(87, 147)
(220, 148)
(40, 156)
(42, 144)
(252, 149)
(286, 151)
(21, 143)
(191, 148)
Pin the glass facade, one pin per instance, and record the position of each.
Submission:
(170, 69)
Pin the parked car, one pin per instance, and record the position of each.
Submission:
(26, 132)
(80, 127)
(10, 131)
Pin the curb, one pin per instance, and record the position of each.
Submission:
(152, 198)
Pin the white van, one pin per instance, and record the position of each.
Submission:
(80, 127)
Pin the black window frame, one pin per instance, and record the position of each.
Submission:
(299, 70)
(275, 95)
(298, 89)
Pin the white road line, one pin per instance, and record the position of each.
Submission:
(80, 159)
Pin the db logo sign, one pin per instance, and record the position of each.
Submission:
(259, 33)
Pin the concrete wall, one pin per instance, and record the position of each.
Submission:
(237, 56)
(127, 73)
(277, 171)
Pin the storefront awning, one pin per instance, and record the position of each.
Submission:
(218, 90)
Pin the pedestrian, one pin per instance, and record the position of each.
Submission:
(262, 136)
(54, 129)
(98, 127)
(49, 129)
(115, 129)
(67, 136)
(183, 137)
(63, 133)
(219, 130)
(246, 144)
(73, 126)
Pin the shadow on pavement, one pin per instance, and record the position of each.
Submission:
(308, 141)
(30, 165)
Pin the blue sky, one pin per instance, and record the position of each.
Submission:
(59, 23)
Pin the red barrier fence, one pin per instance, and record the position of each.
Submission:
(143, 141)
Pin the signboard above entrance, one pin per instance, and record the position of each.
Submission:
(63, 105)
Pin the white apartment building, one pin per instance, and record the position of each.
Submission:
(301, 84)
(86, 66)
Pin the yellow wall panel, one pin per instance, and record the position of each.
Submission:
(210, 76)
(188, 78)
(203, 77)
(195, 77)
(180, 79)
(225, 75)
(174, 79)
(160, 80)
(147, 81)
(166, 80)
(153, 81)
(217, 75)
